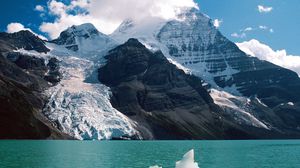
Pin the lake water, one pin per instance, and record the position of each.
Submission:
(142, 154)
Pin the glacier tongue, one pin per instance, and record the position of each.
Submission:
(83, 110)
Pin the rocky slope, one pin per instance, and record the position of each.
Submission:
(22, 79)
(164, 101)
(23, 39)
(18, 104)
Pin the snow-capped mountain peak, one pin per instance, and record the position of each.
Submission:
(192, 14)
(85, 39)
(144, 30)
(125, 26)
(86, 29)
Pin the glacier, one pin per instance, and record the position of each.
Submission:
(81, 109)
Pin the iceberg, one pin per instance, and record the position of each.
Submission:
(187, 161)
(155, 166)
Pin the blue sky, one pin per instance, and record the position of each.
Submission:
(20, 11)
(235, 15)
(284, 19)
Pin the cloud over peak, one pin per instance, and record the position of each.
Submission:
(16, 27)
(264, 52)
(107, 15)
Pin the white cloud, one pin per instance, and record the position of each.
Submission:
(217, 23)
(80, 3)
(244, 32)
(39, 8)
(237, 35)
(264, 9)
(264, 52)
(263, 27)
(106, 15)
(16, 27)
(271, 30)
(248, 29)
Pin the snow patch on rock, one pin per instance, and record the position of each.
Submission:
(237, 108)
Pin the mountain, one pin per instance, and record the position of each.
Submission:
(163, 99)
(150, 79)
(23, 78)
(199, 46)
(85, 39)
(152, 91)
(79, 105)
(23, 39)
(240, 84)
(197, 43)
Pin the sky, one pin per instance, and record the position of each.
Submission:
(274, 23)
(283, 19)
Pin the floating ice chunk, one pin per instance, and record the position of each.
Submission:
(187, 161)
(155, 166)
(291, 103)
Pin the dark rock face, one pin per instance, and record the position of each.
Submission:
(17, 112)
(22, 79)
(163, 99)
(23, 39)
(11, 70)
(30, 63)
(19, 103)
(53, 76)
(67, 38)
(37, 66)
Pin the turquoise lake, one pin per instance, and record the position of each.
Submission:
(142, 154)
